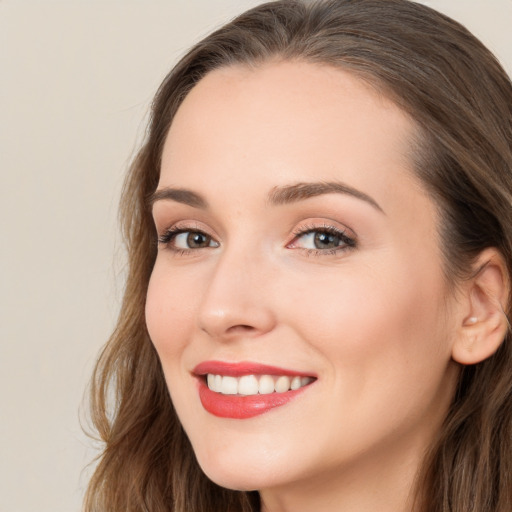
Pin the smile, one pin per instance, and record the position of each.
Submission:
(249, 385)
(245, 390)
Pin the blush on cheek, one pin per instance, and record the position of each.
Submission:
(168, 318)
(157, 321)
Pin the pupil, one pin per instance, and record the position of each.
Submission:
(195, 240)
(326, 241)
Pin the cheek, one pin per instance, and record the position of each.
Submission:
(170, 308)
(374, 324)
(386, 349)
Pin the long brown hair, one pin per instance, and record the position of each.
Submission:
(461, 101)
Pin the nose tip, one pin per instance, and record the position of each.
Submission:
(234, 319)
(236, 303)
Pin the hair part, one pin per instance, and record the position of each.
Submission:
(461, 101)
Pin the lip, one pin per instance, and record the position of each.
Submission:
(244, 368)
(238, 406)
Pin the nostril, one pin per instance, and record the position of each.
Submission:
(240, 328)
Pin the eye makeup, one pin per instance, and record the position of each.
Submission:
(313, 240)
(321, 240)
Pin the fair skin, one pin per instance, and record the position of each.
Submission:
(367, 312)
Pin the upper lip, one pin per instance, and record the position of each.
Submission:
(244, 368)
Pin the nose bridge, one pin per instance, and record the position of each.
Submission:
(236, 299)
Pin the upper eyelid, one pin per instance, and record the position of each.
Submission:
(348, 240)
(300, 228)
(185, 226)
(176, 230)
(326, 225)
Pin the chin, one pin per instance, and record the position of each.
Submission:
(231, 475)
(244, 470)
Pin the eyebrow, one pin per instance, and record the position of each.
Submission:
(300, 191)
(180, 195)
(277, 196)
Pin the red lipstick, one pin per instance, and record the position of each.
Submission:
(240, 406)
(244, 368)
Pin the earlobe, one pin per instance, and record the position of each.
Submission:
(484, 323)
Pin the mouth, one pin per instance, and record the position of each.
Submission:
(245, 390)
(250, 385)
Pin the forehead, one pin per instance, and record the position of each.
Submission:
(286, 121)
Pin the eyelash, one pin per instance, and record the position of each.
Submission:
(170, 235)
(348, 241)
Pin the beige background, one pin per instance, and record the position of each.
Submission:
(76, 78)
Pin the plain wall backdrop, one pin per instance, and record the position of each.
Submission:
(76, 79)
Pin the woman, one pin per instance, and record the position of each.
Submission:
(315, 316)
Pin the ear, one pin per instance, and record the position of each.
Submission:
(484, 323)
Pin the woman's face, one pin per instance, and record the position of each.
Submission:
(297, 250)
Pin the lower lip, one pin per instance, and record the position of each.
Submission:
(242, 407)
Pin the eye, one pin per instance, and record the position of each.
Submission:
(178, 239)
(322, 240)
(192, 240)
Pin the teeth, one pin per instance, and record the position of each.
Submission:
(296, 383)
(266, 385)
(282, 384)
(251, 385)
(229, 386)
(248, 385)
(304, 381)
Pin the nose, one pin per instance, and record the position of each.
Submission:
(236, 301)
